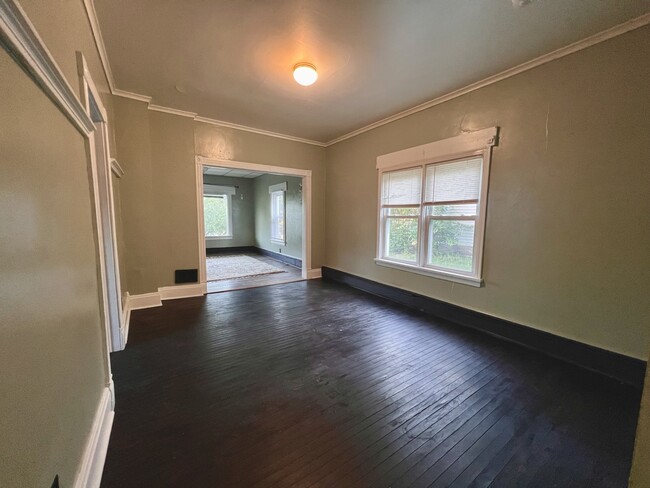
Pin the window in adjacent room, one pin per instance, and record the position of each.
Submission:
(432, 207)
(278, 213)
(217, 211)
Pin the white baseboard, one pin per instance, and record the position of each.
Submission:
(90, 470)
(314, 273)
(146, 300)
(180, 291)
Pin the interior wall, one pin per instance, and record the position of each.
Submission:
(65, 29)
(243, 212)
(293, 209)
(158, 192)
(52, 342)
(212, 141)
(567, 236)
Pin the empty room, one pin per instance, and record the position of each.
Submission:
(288, 243)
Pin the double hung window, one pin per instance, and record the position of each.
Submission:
(432, 211)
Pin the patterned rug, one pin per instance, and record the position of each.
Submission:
(237, 266)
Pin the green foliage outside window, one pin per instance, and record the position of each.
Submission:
(215, 210)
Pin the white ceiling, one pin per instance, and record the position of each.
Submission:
(231, 60)
(233, 173)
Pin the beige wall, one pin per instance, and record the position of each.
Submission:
(65, 29)
(243, 212)
(52, 345)
(158, 192)
(293, 208)
(567, 238)
(220, 142)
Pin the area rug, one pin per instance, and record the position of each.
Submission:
(237, 266)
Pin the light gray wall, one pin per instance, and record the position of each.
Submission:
(567, 235)
(293, 246)
(243, 212)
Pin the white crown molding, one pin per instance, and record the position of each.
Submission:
(173, 111)
(263, 132)
(99, 42)
(133, 96)
(533, 63)
(22, 42)
(207, 120)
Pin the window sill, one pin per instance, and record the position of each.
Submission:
(217, 238)
(276, 241)
(465, 280)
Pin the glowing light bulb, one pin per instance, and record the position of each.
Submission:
(305, 74)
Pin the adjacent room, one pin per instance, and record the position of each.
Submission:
(323, 243)
(253, 225)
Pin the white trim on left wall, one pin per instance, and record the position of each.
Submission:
(89, 474)
(155, 299)
(21, 40)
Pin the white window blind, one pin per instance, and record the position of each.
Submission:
(209, 189)
(402, 187)
(456, 181)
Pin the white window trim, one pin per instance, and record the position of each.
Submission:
(278, 187)
(273, 189)
(478, 143)
(228, 192)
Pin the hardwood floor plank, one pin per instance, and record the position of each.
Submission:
(316, 384)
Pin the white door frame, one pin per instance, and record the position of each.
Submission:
(102, 181)
(305, 174)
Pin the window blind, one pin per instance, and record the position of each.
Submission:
(403, 187)
(455, 181)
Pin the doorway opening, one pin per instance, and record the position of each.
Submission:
(254, 224)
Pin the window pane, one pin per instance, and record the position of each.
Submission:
(277, 215)
(215, 210)
(451, 244)
(468, 210)
(402, 187)
(402, 239)
(402, 212)
(460, 180)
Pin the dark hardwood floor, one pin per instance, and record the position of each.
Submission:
(315, 384)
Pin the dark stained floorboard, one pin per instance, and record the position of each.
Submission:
(316, 384)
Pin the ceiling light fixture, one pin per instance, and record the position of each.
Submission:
(305, 74)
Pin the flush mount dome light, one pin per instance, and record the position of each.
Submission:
(305, 74)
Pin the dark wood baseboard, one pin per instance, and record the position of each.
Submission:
(623, 368)
(211, 251)
(255, 250)
(280, 257)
